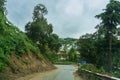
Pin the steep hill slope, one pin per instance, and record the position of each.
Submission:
(18, 55)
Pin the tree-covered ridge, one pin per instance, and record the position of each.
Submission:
(66, 41)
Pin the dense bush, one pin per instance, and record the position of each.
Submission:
(13, 41)
(93, 69)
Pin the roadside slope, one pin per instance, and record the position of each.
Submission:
(41, 76)
(19, 56)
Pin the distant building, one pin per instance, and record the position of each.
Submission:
(64, 50)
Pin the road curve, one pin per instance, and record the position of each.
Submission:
(64, 72)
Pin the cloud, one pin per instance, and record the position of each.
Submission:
(73, 19)
(70, 18)
(96, 4)
(74, 8)
(71, 8)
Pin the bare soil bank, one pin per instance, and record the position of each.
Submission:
(25, 65)
(41, 75)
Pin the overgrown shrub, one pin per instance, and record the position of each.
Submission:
(92, 68)
(13, 41)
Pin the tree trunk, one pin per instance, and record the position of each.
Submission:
(110, 54)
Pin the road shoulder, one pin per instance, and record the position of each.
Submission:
(39, 76)
(76, 76)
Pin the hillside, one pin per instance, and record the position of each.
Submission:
(19, 56)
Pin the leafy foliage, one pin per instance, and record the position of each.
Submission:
(40, 32)
(86, 47)
(93, 69)
(54, 42)
(13, 41)
(102, 47)
(110, 20)
(2, 6)
(72, 55)
(66, 41)
(39, 11)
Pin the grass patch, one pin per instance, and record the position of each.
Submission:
(63, 62)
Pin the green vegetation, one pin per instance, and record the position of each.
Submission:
(68, 50)
(66, 41)
(63, 62)
(102, 48)
(72, 55)
(2, 7)
(13, 41)
(40, 32)
(110, 20)
(91, 68)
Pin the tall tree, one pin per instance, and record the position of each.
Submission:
(2, 6)
(110, 20)
(87, 48)
(39, 12)
(3, 18)
(72, 55)
(54, 42)
(38, 29)
(40, 32)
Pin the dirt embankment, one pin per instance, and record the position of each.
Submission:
(25, 65)
(41, 75)
(76, 76)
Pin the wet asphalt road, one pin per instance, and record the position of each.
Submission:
(66, 73)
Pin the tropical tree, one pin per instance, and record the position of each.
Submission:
(39, 12)
(3, 18)
(87, 49)
(110, 20)
(54, 42)
(72, 55)
(40, 32)
(2, 6)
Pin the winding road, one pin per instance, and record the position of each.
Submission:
(64, 72)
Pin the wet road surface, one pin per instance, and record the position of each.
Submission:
(66, 73)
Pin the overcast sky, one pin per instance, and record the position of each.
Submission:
(70, 18)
